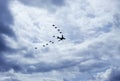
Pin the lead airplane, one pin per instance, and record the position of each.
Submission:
(61, 38)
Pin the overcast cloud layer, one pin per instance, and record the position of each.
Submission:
(91, 51)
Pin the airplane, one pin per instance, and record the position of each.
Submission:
(51, 42)
(53, 36)
(61, 38)
(60, 32)
(53, 25)
(58, 29)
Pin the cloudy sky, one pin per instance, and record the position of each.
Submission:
(91, 51)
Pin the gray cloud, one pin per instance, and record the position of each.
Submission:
(50, 5)
(117, 21)
(92, 67)
(12, 79)
(110, 74)
(42, 66)
(114, 75)
(6, 17)
(6, 20)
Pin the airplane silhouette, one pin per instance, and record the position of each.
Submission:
(53, 36)
(61, 38)
(52, 42)
(53, 25)
(60, 32)
(58, 29)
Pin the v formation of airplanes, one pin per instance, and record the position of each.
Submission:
(59, 38)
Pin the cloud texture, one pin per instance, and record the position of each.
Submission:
(91, 51)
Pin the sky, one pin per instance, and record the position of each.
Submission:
(91, 51)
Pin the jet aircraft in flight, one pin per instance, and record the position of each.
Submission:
(61, 38)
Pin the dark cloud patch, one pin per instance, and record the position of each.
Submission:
(3, 46)
(114, 75)
(93, 66)
(106, 28)
(11, 79)
(115, 78)
(6, 20)
(6, 65)
(50, 5)
(3, 66)
(5, 15)
(4, 29)
(58, 2)
(117, 21)
(42, 67)
(45, 67)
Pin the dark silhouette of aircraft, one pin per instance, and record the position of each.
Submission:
(58, 29)
(53, 36)
(53, 25)
(61, 38)
(52, 42)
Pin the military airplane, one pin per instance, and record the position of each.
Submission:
(61, 38)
